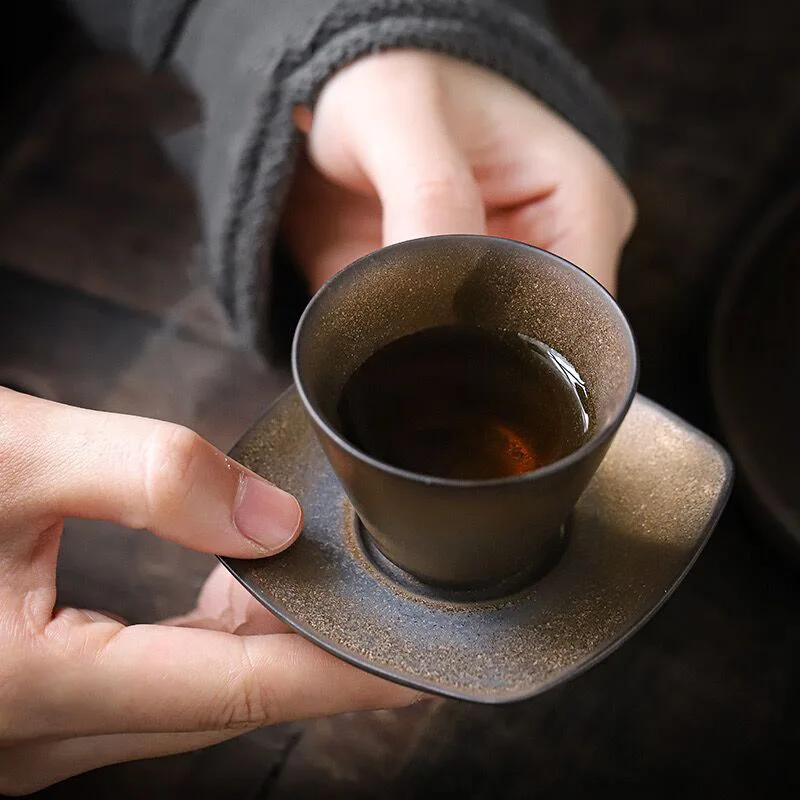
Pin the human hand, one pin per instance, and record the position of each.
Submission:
(406, 144)
(78, 688)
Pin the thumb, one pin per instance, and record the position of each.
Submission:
(69, 462)
(425, 184)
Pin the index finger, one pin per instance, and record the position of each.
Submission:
(102, 678)
(425, 184)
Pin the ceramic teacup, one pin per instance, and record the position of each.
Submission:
(464, 534)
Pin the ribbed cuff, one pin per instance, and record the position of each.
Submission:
(261, 158)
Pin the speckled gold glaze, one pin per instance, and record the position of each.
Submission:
(634, 533)
(449, 533)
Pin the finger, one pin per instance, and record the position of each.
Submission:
(225, 605)
(424, 182)
(590, 245)
(63, 461)
(594, 217)
(29, 768)
(336, 239)
(148, 678)
(585, 229)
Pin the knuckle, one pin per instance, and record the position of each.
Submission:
(450, 186)
(173, 458)
(73, 635)
(248, 702)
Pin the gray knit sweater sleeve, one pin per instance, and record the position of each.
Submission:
(251, 61)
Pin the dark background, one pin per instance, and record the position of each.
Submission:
(101, 304)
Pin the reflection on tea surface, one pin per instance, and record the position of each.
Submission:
(465, 403)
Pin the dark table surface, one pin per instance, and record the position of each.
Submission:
(103, 305)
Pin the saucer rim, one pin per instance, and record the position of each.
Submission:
(569, 674)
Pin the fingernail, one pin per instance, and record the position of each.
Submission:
(266, 515)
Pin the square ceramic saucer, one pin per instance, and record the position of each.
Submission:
(632, 538)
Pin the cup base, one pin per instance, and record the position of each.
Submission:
(474, 593)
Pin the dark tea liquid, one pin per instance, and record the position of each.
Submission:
(466, 403)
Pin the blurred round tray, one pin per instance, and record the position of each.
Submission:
(755, 368)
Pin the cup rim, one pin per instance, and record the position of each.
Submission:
(599, 438)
